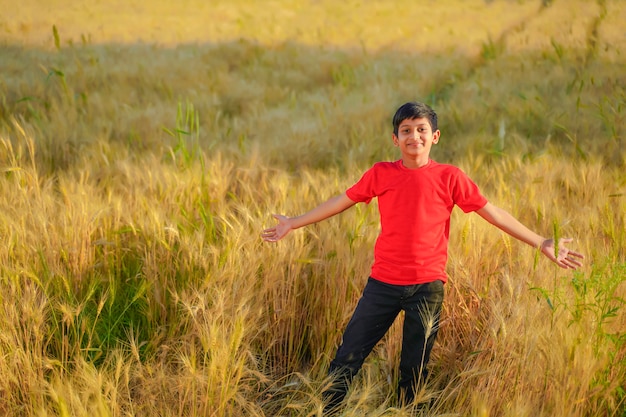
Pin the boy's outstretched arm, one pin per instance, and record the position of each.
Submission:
(502, 219)
(325, 210)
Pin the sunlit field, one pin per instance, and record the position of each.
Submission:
(144, 146)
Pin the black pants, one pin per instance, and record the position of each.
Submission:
(376, 311)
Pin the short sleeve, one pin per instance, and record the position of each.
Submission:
(466, 193)
(364, 190)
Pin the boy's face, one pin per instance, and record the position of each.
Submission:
(415, 138)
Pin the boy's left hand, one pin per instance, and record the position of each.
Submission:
(565, 258)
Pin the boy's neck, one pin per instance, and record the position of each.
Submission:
(415, 163)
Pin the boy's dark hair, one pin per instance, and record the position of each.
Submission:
(413, 110)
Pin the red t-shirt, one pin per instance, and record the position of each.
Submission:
(415, 207)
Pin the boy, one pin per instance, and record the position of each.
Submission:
(416, 196)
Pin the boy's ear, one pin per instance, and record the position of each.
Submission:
(395, 139)
(436, 136)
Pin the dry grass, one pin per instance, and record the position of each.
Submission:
(145, 145)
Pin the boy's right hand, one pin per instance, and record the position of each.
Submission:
(274, 234)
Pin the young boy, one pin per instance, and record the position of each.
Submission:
(416, 196)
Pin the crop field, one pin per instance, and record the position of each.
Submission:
(144, 146)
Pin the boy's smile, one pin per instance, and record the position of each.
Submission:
(415, 139)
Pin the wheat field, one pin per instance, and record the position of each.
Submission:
(144, 146)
